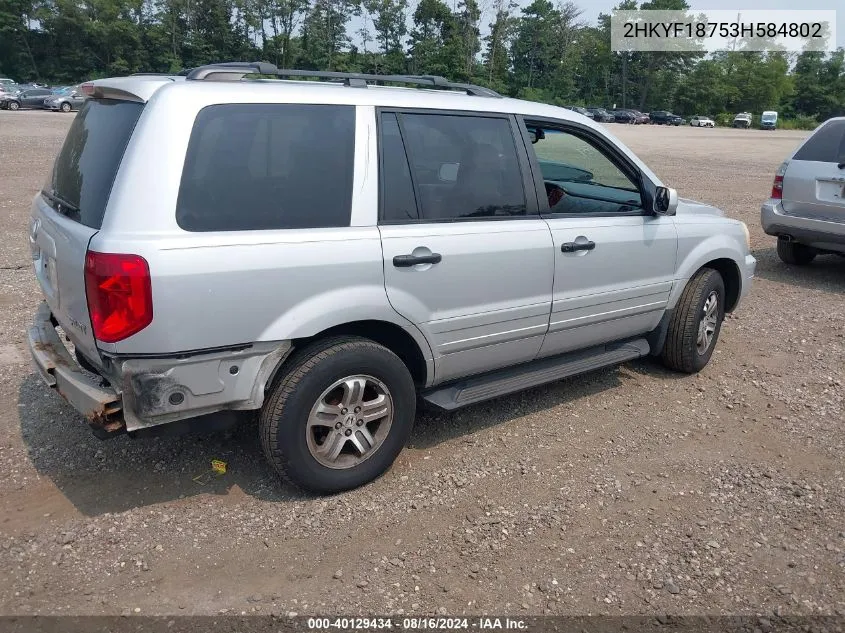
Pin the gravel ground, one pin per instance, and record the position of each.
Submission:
(627, 491)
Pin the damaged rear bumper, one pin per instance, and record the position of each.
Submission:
(90, 395)
(144, 392)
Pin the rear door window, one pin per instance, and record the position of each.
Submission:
(462, 167)
(827, 145)
(268, 166)
(397, 188)
(84, 171)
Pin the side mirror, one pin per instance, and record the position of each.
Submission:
(665, 201)
(536, 134)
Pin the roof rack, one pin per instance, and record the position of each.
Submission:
(234, 71)
(181, 73)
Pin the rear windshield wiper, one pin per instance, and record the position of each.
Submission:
(60, 204)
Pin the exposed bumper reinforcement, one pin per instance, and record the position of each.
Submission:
(144, 392)
(100, 405)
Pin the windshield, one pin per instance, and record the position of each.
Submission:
(770, 117)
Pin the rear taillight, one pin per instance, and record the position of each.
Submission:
(120, 295)
(777, 185)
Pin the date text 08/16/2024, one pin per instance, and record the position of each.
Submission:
(411, 624)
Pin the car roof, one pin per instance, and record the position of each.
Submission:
(176, 90)
(144, 87)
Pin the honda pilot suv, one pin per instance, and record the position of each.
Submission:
(327, 253)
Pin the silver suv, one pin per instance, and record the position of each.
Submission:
(806, 209)
(324, 252)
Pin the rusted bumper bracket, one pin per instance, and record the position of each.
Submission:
(100, 404)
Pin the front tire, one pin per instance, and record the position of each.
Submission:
(13, 105)
(310, 427)
(695, 323)
(65, 107)
(796, 254)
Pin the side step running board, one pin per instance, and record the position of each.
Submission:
(513, 379)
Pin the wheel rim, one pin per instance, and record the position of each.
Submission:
(707, 325)
(13, 106)
(65, 107)
(349, 422)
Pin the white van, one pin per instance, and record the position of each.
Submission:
(769, 120)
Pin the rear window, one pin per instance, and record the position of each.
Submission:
(268, 166)
(85, 168)
(827, 145)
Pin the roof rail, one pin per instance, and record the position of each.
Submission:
(181, 73)
(234, 71)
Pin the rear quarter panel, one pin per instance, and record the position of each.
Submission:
(227, 288)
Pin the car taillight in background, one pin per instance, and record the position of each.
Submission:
(120, 297)
(88, 89)
(777, 185)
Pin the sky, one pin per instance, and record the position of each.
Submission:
(592, 8)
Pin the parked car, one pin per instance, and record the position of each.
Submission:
(28, 98)
(624, 116)
(662, 117)
(806, 209)
(702, 121)
(742, 120)
(641, 117)
(580, 110)
(597, 263)
(769, 120)
(601, 115)
(66, 100)
(5, 81)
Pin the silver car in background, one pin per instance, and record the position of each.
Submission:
(66, 99)
(806, 209)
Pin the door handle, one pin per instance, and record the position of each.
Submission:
(571, 247)
(406, 261)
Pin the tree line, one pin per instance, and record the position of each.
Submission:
(542, 51)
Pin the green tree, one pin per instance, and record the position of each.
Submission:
(433, 28)
(324, 34)
(285, 17)
(390, 29)
(533, 49)
(497, 43)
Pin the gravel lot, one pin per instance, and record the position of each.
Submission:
(627, 491)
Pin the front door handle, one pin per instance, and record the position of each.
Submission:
(571, 247)
(406, 261)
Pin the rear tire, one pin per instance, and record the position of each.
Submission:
(695, 323)
(796, 254)
(314, 406)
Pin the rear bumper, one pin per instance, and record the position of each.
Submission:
(145, 392)
(100, 405)
(821, 234)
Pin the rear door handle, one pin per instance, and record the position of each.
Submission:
(406, 261)
(571, 247)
